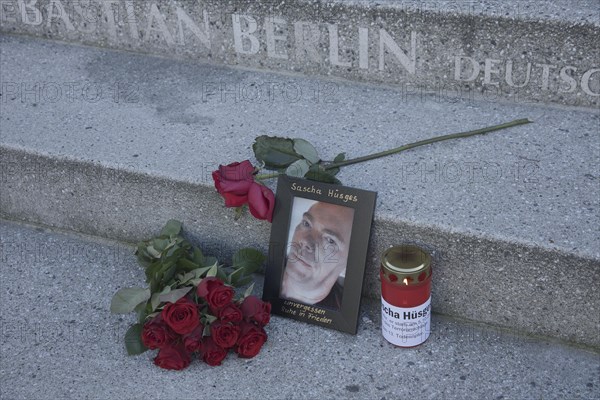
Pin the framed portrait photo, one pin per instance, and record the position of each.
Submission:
(318, 251)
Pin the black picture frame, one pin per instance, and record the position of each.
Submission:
(342, 312)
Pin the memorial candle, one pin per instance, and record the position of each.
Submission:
(405, 295)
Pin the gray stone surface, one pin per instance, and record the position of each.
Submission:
(59, 340)
(522, 51)
(585, 11)
(512, 217)
(536, 183)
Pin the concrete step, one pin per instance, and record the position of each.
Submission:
(518, 50)
(512, 217)
(59, 341)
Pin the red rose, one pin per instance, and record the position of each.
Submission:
(182, 316)
(216, 293)
(210, 353)
(256, 310)
(173, 357)
(192, 340)
(157, 334)
(230, 313)
(224, 334)
(261, 201)
(233, 182)
(251, 339)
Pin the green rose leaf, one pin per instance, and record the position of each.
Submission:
(155, 300)
(245, 281)
(249, 259)
(154, 314)
(173, 249)
(339, 158)
(221, 274)
(195, 281)
(160, 244)
(174, 295)
(198, 257)
(142, 311)
(298, 168)
(126, 299)
(182, 279)
(153, 252)
(206, 331)
(319, 174)
(195, 274)
(166, 272)
(152, 270)
(248, 291)
(201, 271)
(306, 150)
(210, 261)
(212, 272)
(235, 276)
(275, 152)
(144, 259)
(133, 340)
(172, 228)
(333, 171)
(186, 265)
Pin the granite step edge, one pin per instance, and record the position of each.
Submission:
(471, 272)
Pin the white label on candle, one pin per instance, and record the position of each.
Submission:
(406, 327)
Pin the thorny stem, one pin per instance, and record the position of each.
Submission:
(412, 146)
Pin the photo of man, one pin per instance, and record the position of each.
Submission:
(317, 253)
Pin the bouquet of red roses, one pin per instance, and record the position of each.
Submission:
(208, 322)
(190, 307)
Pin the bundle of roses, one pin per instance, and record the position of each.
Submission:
(208, 322)
(189, 306)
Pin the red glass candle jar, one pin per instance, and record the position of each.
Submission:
(405, 295)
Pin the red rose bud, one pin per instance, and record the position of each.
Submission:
(224, 334)
(157, 334)
(251, 339)
(233, 182)
(208, 284)
(216, 293)
(256, 310)
(193, 340)
(237, 171)
(261, 202)
(181, 316)
(211, 353)
(173, 357)
(230, 313)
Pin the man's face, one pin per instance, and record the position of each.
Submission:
(319, 250)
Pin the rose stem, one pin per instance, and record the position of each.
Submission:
(413, 145)
(429, 141)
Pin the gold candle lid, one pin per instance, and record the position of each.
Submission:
(406, 264)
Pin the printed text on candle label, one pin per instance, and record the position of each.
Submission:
(406, 326)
